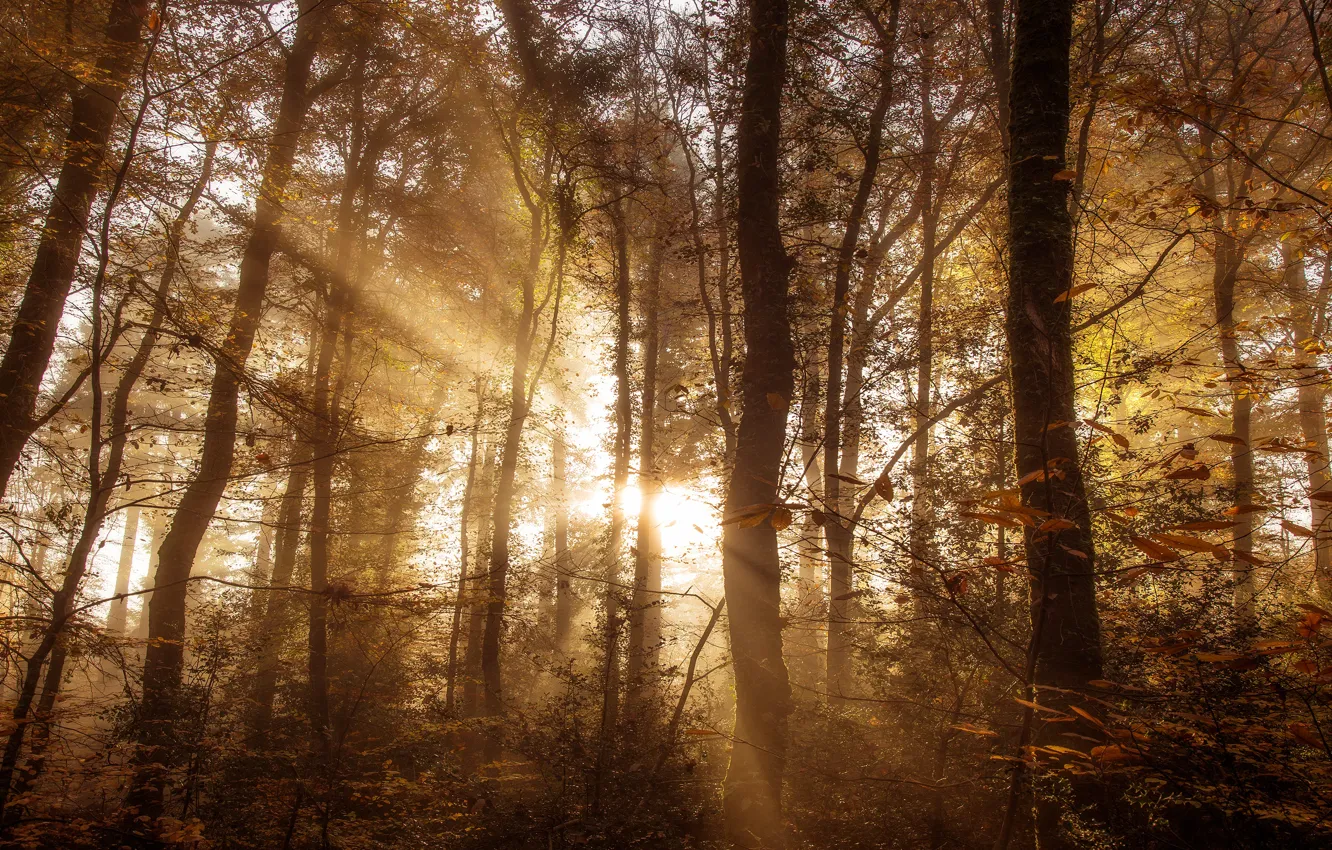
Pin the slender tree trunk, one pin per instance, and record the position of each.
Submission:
(165, 656)
(838, 529)
(807, 653)
(1066, 632)
(96, 103)
(102, 482)
(116, 617)
(504, 487)
(1225, 274)
(480, 586)
(464, 545)
(751, 565)
(564, 596)
(614, 574)
(1312, 403)
(285, 549)
(921, 508)
(645, 610)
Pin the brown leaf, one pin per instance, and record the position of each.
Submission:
(1154, 550)
(1296, 529)
(777, 401)
(780, 518)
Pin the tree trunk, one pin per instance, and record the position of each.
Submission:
(645, 610)
(1225, 274)
(116, 617)
(1312, 404)
(285, 549)
(102, 481)
(165, 656)
(805, 650)
(504, 487)
(751, 565)
(921, 509)
(610, 705)
(1066, 636)
(838, 528)
(480, 586)
(32, 340)
(564, 596)
(464, 545)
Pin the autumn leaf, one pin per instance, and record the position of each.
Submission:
(1296, 529)
(1228, 438)
(1196, 411)
(1154, 550)
(1077, 290)
(884, 488)
(777, 401)
(1305, 735)
(781, 518)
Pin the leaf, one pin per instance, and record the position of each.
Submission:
(1305, 735)
(1184, 541)
(1154, 550)
(1296, 529)
(780, 518)
(1034, 475)
(1077, 290)
(1197, 411)
(1217, 657)
(1057, 524)
(1196, 472)
(1206, 525)
(1066, 175)
(1086, 715)
(746, 516)
(884, 488)
(777, 401)
(1036, 706)
(1321, 496)
(1228, 438)
(702, 733)
(975, 730)
(994, 518)
(851, 479)
(1238, 510)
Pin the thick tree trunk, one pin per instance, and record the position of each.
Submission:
(1312, 403)
(1066, 635)
(645, 610)
(751, 565)
(165, 656)
(32, 340)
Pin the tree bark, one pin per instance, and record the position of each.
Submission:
(564, 596)
(838, 529)
(165, 655)
(921, 508)
(464, 546)
(504, 487)
(32, 340)
(610, 695)
(116, 617)
(751, 565)
(645, 610)
(1066, 638)
(1312, 403)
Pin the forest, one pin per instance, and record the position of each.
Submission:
(759, 424)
